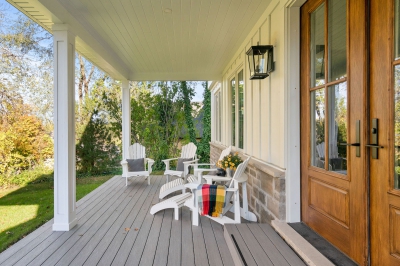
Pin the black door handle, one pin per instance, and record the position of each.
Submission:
(374, 146)
(350, 144)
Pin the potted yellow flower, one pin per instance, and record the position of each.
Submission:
(229, 163)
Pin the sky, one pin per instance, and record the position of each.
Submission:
(10, 11)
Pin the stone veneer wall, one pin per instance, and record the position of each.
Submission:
(265, 188)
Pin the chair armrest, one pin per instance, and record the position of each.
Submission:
(166, 161)
(186, 166)
(150, 163)
(124, 162)
(212, 178)
(192, 186)
(231, 189)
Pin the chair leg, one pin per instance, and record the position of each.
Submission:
(176, 213)
(148, 180)
(126, 181)
(237, 207)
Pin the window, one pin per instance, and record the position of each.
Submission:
(237, 109)
(218, 112)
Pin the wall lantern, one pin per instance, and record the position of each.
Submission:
(261, 61)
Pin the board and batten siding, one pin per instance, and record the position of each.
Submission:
(268, 119)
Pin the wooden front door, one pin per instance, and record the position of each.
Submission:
(350, 126)
(333, 115)
(384, 132)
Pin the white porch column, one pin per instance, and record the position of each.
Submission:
(126, 119)
(64, 129)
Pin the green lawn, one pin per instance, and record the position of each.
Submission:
(25, 208)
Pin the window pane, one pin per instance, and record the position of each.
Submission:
(317, 133)
(219, 108)
(397, 127)
(396, 30)
(317, 49)
(337, 127)
(337, 56)
(241, 108)
(233, 93)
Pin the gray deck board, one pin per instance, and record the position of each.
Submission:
(101, 237)
(132, 222)
(79, 254)
(150, 247)
(214, 256)
(248, 257)
(281, 245)
(255, 248)
(175, 247)
(145, 235)
(269, 247)
(139, 224)
(71, 238)
(161, 256)
(12, 254)
(222, 247)
(187, 238)
(199, 246)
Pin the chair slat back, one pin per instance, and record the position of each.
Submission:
(188, 150)
(225, 152)
(239, 171)
(137, 151)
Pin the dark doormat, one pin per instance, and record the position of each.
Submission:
(322, 245)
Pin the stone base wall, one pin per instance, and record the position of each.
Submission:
(265, 188)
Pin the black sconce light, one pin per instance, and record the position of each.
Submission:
(261, 61)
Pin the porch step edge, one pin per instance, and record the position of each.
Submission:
(303, 248)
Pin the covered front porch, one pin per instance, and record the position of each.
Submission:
(114, 227)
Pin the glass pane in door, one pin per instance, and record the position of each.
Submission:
(317, 132)
(317, 46)
(337, 127)
(233, 101)
(241, 108)
(337, 53)
(396, 30)
(397, 127)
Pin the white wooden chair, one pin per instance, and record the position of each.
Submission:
(188, 153)
(198, 172)
(189, 199)
(137, 152)
(232, 191)
(179, 184)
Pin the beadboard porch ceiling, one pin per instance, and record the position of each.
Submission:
(153, 39)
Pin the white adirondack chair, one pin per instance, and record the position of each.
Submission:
(188, 152)
(198, 172)
(230, 205)
(137, 151)
(189, 200)
(179, 184)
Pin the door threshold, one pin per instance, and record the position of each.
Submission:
(313, 248)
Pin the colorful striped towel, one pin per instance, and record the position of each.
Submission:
(211, 200)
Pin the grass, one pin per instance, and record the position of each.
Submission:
(25, 208)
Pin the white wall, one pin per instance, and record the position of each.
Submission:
(264, 124)
(272, 105)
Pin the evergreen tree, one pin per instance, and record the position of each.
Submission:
(204, 146)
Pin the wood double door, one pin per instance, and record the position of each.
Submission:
(350, 126)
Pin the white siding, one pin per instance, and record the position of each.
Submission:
(264, 134)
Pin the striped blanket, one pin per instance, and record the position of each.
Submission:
(211, 199)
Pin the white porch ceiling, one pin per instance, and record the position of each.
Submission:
(138, 40)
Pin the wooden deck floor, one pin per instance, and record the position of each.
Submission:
(115, 228)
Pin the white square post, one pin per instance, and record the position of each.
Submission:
(64, 129)
(126, 120)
